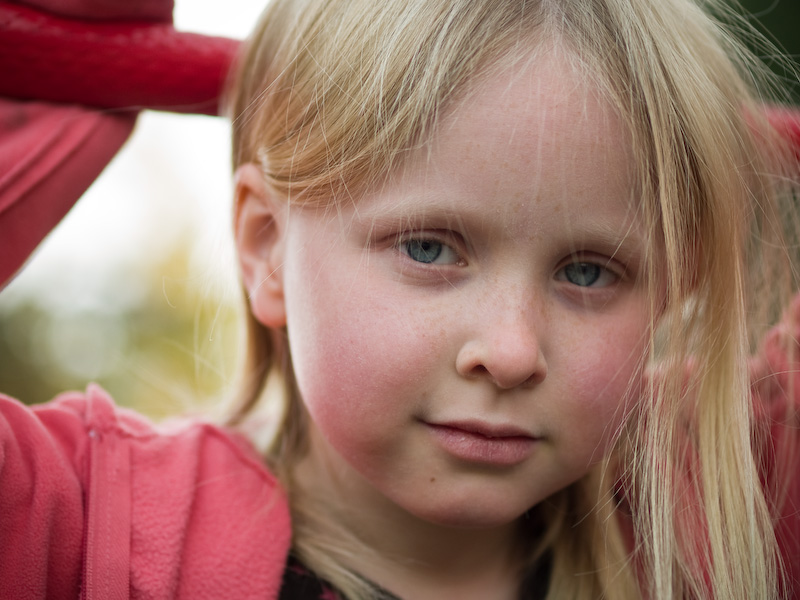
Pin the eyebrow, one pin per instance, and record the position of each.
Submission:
(629, 244)
(415, 212)
(622, 239)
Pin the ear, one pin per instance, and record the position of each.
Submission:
(259, 229)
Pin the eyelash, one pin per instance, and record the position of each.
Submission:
(414, 246)
(606, 275)
(603, 273)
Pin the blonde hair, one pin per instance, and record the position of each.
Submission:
(329, 97)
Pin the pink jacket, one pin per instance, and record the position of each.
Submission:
(96, 503)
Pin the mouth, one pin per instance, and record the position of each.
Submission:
(484, 443)
(487, 430)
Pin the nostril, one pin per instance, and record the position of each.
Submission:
(480, 371)
(536, 377)
(505, 366)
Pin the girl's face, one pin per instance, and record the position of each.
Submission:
(465, 336)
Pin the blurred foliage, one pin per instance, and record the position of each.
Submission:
(158, 339)
(779, 20)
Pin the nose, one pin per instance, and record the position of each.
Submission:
(505, 349)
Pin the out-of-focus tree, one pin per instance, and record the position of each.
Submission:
(780, 20)
(159, 339)
(136, 288)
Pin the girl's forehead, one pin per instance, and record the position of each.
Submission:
(528, 151)
(546, 104)
(536, 130)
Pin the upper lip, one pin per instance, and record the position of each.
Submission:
(489, 430)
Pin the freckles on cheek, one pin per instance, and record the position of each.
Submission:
(350, 367)
(609, 378)
(387, 342)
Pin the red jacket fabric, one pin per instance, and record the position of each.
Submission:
(115, 55)
(775, 377)
(98, 504)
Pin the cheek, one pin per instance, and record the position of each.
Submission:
(606, 384)
(358, 351)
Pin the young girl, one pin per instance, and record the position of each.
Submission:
(505, 263)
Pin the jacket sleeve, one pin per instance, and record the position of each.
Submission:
(49, 155)
(97, 503)
(73, 75)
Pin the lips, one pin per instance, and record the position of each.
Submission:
(486, 430)
(483, 443)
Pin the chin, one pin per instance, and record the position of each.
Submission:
(472, 513)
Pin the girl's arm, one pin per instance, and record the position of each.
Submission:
(104, 54)
(49, 155)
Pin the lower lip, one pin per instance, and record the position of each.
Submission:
(475, 448)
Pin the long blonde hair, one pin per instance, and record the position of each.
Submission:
(331, 94)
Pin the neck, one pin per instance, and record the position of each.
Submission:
(409, 556)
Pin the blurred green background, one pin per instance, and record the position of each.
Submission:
(780, 21)
(158, 327)
(136, 289)
(156, 335)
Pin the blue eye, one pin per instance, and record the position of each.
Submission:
(585, 274)
(428, 251)
(424, 251)
(582, 274)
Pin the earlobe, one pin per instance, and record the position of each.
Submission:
(259, 233)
